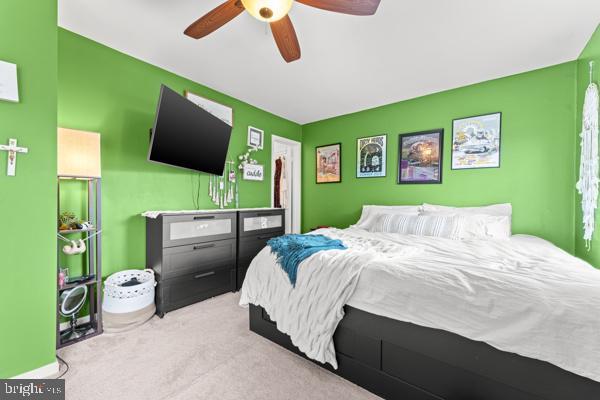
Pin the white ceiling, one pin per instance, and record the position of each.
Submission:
(408, 49)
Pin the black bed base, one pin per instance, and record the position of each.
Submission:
(399, 360)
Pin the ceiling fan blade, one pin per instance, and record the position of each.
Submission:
(286, 39)
(354, 7)
(215, 19)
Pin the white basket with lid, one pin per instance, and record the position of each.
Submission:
(120, 299)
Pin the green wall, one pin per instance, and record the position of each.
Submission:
(105, 91)
(590, 53)
(28, 201)
(537, 154)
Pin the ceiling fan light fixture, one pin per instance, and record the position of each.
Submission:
(268, 10)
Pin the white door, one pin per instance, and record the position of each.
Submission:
(290, 152)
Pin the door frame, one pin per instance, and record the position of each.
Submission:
(296, 175)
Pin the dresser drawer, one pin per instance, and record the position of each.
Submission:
(188, 289)
(248, 248)
(253, 223)
(242, 269)
(182, 260)
(179, 230)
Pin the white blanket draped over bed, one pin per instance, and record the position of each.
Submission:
(310, 312)
(522, 295)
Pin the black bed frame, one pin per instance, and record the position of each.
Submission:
(399, 360)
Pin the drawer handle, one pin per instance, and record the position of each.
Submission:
(265, 214)
(204, 217)
(204, 246)
(204, 275)
(265, 237)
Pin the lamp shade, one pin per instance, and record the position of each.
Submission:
(78, 153)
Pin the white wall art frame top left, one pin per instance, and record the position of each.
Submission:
(221, 111)
(9, 88)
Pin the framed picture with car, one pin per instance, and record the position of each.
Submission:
(476, 141)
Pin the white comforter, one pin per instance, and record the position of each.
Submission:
(522, 295)
(310, 312)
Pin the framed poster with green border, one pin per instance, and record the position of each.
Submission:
(371, 156)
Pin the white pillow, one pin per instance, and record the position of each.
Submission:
(422, 225)
(486, 222)
(370, 213)
(485, 227)
(501, 210)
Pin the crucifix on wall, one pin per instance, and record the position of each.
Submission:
(12, 149)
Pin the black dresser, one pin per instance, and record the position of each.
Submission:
(203, 254)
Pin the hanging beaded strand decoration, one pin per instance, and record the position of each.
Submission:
(223, 190)
(587, 185)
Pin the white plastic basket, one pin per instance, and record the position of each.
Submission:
(123, 299)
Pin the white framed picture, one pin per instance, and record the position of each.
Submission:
(9, 88)
(476, 141)
(253, 172)
(221, 111)
(255, 137)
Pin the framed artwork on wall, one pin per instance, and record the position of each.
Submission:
(221, 111)
(255, 137)
(329, 163)
(371, 156)
(476, 141)
(420, 156)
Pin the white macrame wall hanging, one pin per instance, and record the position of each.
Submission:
(587, 185)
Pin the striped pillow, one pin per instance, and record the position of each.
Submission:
(422, 225)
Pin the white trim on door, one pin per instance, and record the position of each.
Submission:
(296, 180)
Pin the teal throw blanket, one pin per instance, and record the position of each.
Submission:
(291, 250)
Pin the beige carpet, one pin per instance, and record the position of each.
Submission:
(204, 351)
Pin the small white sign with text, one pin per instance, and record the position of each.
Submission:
(253, 172)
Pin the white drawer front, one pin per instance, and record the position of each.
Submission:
(201, 228)
(258, 223)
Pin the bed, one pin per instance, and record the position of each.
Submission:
(417, 317)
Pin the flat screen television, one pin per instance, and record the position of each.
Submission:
(186, 136)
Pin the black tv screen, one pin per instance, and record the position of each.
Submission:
(187, 136)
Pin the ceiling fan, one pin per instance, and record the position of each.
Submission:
(275, 12)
